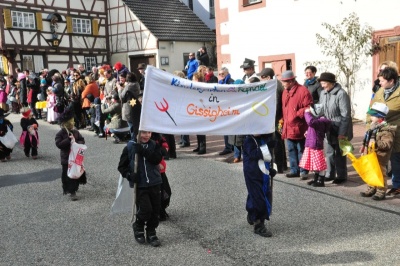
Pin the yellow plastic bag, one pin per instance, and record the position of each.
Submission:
(367, 166)
(41, 105)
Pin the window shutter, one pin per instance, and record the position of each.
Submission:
(7, 18)
(69, 24)
(95, 26)
(39, 21)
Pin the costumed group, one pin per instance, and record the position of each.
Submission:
(303, 122)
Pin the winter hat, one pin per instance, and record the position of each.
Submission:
(43, 82)
(118, 66)
(238, 81)
(326, 76)
(378, 110)
(65, 116)
(25, 112)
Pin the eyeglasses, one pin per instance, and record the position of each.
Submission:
(221, 74)
(76, 75)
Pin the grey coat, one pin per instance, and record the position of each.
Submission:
(129, 92)
(336, 106)
(115, 112)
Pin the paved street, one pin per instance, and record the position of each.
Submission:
(207, 225)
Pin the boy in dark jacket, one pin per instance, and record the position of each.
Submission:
(148, 181)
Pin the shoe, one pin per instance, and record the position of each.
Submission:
(73, 197)
(379, 195)
(314, 180)
(8, 157)
(116, 141)
(196, 150)
(303, 176)
(236, 160)
(393, 192)
(101, 135)
(329, 179)
(338, 181)
(290, 175)
(224, 152)
(202, 148)
(184, 145)
(369, 193)
(320, 182)
(27, 155)
(152, 239)
(163, 215)
(138, 232)
(261, 230)
(34, 157)
(3, 160)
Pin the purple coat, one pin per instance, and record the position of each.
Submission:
(317, 127)
(3, 94)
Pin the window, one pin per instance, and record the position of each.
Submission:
(90, 62)
(23, 20)
(190, 4)
(212, 9)
(80, 25)
(250, 2)
(164, 60)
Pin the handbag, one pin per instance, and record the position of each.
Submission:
(75, 160)
(368, 168)
(9, 139)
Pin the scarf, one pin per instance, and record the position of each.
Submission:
(208, 76)
(310, 81)
(388, 92)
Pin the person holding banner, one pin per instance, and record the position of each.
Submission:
(248, 69)
(258, 175)
(201, 139)
(295, 100)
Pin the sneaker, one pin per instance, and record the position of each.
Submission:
(393, 192)
(73, 197)
(303, 176)
(261, 230)
(369, 193)
(379, 195)
(138, 232)
(152, 239)
(290, 175)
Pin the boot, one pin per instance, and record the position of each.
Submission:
(311, 182)
(369, 193)
(320, 182)
(202, 149)
(379, 195)
(198, 147)
(138, 232)
(260, 229)
(152, 238)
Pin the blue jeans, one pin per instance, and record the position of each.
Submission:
(395, 162)
(228, 147)
(296, 149)
(237, 152)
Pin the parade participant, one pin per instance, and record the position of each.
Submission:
(5, 153)
(63, 140)
(148, 180)
(3, 94)
(380, 136)
(313, 158)
(29, 137)
(50, 103)
(258, 175)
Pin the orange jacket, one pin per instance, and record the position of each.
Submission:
(93, 89)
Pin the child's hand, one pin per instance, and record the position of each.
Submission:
(161, 167)
(35, 126)
(307, 110)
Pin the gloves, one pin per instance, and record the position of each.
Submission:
(132, 178)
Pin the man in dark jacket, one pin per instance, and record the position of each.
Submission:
(202, 56)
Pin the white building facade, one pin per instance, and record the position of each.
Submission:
(282, 34)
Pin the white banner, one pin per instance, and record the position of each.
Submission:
(179, 106)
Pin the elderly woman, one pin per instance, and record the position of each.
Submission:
(389, 94)
(336, 107)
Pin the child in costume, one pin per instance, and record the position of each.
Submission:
(63, 141)
(381, 135)
(258, 173)
(148, 181)
(52, 115)
(29, 137)
(5, 153)
(313, 158)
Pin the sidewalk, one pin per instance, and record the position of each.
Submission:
(353, 186)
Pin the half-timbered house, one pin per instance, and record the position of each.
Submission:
(161, 33)
(54, 34)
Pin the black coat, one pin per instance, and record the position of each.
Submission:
(63, 142)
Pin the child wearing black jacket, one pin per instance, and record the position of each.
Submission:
(148, 181)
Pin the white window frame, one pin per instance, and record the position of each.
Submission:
(81, 25)
(23, 20)
(90, 61)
